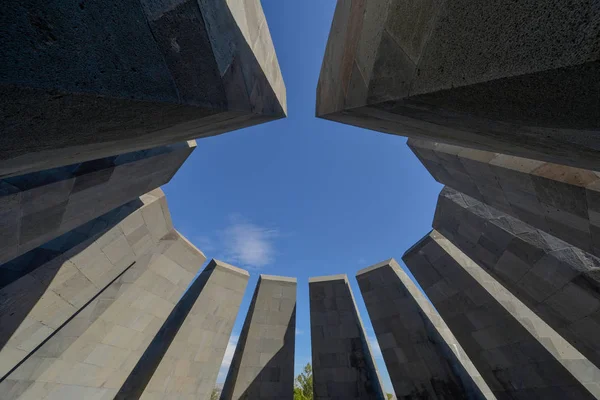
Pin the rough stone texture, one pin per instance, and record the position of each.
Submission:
(561, 200)
(91, 355)
(342, 361)
(42, 289)
(423, 358)
(516, 352)
(38, 207)
(520, 78)
(559, 282)
(263, 364)
(184, 358)
(85, 80)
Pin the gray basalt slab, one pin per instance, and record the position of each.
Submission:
(262, 367)
(38, 207)
(85, 80)
(91, 355)
(559, 282)
(423, 358)
(342, 360)
(519, 78)
(560, 200)
(517, 353)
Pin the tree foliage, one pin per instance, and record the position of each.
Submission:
(303, 386)
(215, 395)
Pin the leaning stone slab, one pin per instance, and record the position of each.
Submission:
(516, 352)
(82, 81)
(342, 360)
(263, 364)
(38, 207)
(92, 354)
(508, 77)
(563, 201)
(423, 358)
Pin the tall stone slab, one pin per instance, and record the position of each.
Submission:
(92, 354)
(342, 360)
(423, 358)
(82, 80)
(262, 367)
(563, 201)
(559, 282)
(184, 358)
(512, 77)
(42, 289)
(516, 352)
(38, 207)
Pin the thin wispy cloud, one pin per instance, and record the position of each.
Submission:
(228, 358)
(375, 347)
(299, 331)
(249, 244)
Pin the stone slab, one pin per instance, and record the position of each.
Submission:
(162, 72)
(516, 352)
(342, 360)
(262, 367)
(423, 358)
(519, 78)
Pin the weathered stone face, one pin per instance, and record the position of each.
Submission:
(342, 361)
(263, 364)
(517, 78)
(422, 356)
(82, 81)
(516, 352)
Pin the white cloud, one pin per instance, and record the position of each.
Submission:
(205, 243)
(248, 244)
(375, 347)
(299, 331)
(228, 358)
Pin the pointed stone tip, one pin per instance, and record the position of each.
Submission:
(418, 245)
(278, 278)
(340, 277)
(222, 264)
(389, 262)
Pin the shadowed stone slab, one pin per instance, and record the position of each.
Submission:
(519, 78)
(422, 356)
(82, 80)
(91, 355)
(38, 207)
(342, 361)
(559, 282)
(561, 200)
(516, 352)
(184, 358)
(263, 364)
(45, 287)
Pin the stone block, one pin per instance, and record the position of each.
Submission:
(263, 363)
(345, 370)
(164, 72)
(516, 78)
(422, 356)
(517, 353)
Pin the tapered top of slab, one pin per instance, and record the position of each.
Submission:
(341, 277)
(278, 278)
(389, 262)
(221, 264)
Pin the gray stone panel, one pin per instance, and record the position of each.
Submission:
(516, 352)
(519, 78)
(81, 81)
(560, 200)
(263, 363)
(41, 291)
(184, 358)
(92, 354)
(342, 360)
(559, 282)
(423, 358)
(41, 206)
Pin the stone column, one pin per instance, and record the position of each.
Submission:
(516, 352)
(162, 73)
(423, 358)
(557, 281)
(38, 207)
(91, 355)
(263, 364)
(563, 201)
(44, 288)
(342, 360)
(184, 358)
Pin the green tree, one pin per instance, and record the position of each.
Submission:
(303, 386)
(216, 393)
(389, 396)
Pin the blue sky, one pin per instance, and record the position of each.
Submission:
(302, 196)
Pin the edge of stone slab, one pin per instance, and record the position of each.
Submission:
(278, 278)
(228, 267)
(419, 243)
(189, 244)
(339, 277)
(390, 262)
